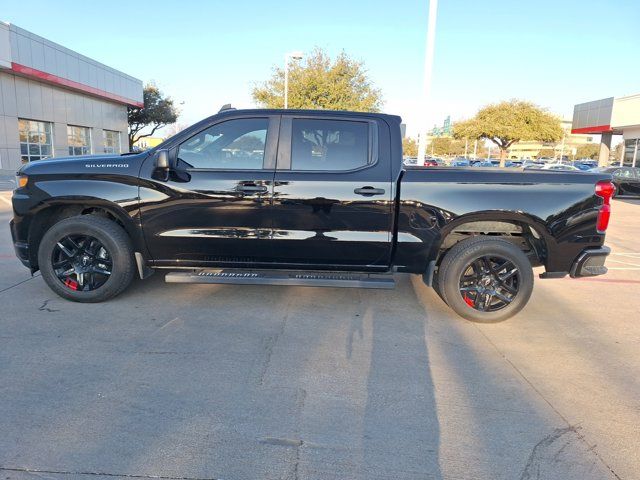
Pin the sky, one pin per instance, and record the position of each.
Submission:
(204, 54)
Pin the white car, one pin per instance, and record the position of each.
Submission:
(560, 166)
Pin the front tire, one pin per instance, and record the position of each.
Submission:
(86, 259)
(485, 279)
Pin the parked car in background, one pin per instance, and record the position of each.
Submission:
(460, 162)
(462, 159)
(513, 163)
(430, 162)
(532, 164)
(486, 164)
(585, 165)
(626, 179)
(409, 161)
(560, 167)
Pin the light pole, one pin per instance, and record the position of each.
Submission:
(287, 57)
(428, 68)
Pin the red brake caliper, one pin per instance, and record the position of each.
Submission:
(72, 284)
(469, 301)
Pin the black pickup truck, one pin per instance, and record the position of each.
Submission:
(292, 197)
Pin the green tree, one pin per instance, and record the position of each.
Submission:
(618, 153)
(247, 143)
(458, 147)
(409, 147)
(506, 123)
(158, 111)
(590, 150)
(449, 146)
(481, 151)
(546, 153)
(317, 82)
(440, 146)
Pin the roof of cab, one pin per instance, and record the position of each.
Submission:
(289, 111)
(228, 111)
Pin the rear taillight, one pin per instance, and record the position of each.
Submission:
(604, 190)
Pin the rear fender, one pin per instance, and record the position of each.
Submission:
(541, 239)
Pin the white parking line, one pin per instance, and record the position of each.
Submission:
(624, 263)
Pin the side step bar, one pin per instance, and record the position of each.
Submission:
(285, 277)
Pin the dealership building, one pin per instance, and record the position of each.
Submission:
(55, 102)
(608, 117)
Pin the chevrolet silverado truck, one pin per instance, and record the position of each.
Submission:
(294, 197)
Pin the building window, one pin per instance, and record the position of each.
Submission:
(631, 152)
(111, 142)
(36, 141)
(79, 139)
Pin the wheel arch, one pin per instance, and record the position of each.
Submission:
(526, 231)
(57, 209)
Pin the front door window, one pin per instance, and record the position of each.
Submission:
(231, 145)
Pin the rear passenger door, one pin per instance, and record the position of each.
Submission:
(332, 199)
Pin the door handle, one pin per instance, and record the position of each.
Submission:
(369, 191)
(252, 188)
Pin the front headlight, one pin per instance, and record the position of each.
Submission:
(21, 180)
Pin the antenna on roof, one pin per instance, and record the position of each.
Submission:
(225, 107)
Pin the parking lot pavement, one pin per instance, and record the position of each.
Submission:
(7, 183)
(248, 382)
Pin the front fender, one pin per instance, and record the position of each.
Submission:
(46, 200)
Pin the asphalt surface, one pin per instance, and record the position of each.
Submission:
(7, 182)
(257, 382)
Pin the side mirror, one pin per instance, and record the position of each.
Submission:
(161, 172)
(162, 160)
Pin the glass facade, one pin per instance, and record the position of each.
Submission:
(631, 154)
(111, 142)
(36, 141)
(79, 140)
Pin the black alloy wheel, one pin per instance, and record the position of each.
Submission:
(485, 279)
(86, 258)
(81, 262)
(489, 283)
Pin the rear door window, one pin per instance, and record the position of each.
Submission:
(329, 145)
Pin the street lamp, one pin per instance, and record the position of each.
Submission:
(287, 57)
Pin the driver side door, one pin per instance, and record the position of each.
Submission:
(216, 209)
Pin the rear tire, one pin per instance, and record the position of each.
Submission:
(108, 266)
(485, 279)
